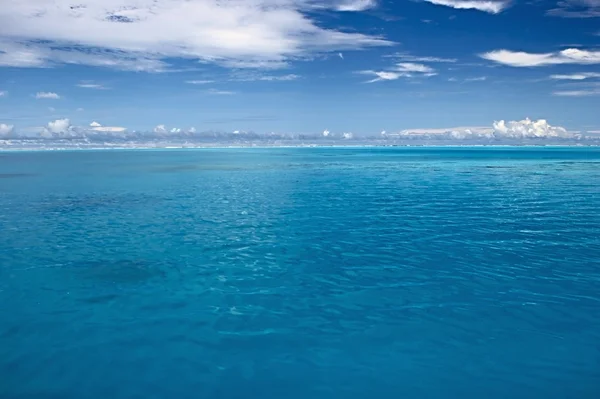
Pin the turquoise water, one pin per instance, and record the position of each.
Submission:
(300, 273)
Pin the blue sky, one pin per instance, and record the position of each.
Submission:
(360, 66)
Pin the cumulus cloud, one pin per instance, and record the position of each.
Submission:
(524, 129)
(529, 129)
(524, 59)
(47, 95)
(489, 6)
(192, 130)
(325, 133)
(57, 128)
(175, 130)
(6, 130)
(141, 35)
(161, 129)
(348, 135)
(108, 129)
(95, 124)
(401, 70)
(576, 76)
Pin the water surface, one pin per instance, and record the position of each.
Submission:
(300, 273)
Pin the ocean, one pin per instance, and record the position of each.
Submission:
(300, 273)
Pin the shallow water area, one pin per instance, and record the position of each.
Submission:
(300, 273)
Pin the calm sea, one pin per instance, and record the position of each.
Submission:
(300, 273)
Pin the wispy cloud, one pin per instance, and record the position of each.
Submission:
(142, 35)
(3, 93)
(199, 82)
(524, 59)
(220, 92)
(91, 85)
(576, 76)
(415, 58)
(489, 6)
(249, 77)
(354, 5)
(400, 70)
(476, 79)
(576, 9)
(47, 95)
(586, 90)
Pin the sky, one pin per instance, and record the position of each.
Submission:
(300, 66)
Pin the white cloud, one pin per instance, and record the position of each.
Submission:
(3, 93)
(576, 76)
(91, 85)
(175, 130)
(199, 82)
(6, 130)
(245, 77)
(160, 129)
(59, 127)
(51, 109)
(95, 124)
(587, 92)
(489, 6)
(325, 133)
(414, 58)
(220, 92)
(341, 55)
(139, 35)
(476, 79)
(355, 5)
(523, 59)
(47, 95)
(413, 67)
(576, 9)
(109, 129)
(401, 70)
(348, 135)
(528, 129)
(192, 130)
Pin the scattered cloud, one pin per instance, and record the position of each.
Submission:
(477, 79)
(576, 76)
(95, 124)
(401, 70)
(581, 92)
(489, 6)
(414, 58)
(91, 85)
(341, 55)
(192, 130)
(217, 92)
(175, 130)
(248, 77)
(524, 59)
(354, 5)
(576, 9)
(199, 82)
(141, 35)
(47, 95)
(6, 130)
(3, 93)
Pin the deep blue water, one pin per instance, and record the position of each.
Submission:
(300, 273)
